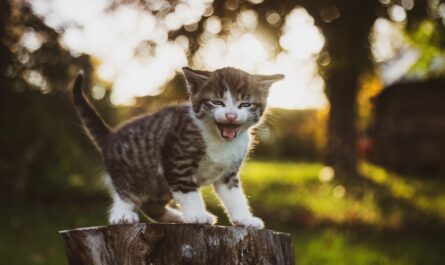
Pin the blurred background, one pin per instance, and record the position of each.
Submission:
(351, 160)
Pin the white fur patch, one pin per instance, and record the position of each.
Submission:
(221, 155)
(225, 152)
(122, 212)
(193, 208)
(221, 158)
(237, 207)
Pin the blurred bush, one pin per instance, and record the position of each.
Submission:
(292, 135)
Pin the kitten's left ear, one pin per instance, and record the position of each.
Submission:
(267, 80)
(195, 78)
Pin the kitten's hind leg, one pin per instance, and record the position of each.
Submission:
(122, 211)
(162, 213)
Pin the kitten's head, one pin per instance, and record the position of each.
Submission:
(228, 101)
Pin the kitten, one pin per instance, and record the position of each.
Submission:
(170, 154)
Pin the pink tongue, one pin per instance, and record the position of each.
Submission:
(229, 132)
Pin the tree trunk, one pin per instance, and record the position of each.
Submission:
(341, 148)
(346, 26)
(171, 244)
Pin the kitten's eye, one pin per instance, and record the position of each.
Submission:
(217, 102)
(245, 105)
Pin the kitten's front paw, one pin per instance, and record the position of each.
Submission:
(123, 217)
(200, 218)
(249, 222)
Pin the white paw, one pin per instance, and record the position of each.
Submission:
(200, 218)
(123, 217)
(249, 221)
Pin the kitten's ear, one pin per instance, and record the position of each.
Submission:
(267, 80)
(195, 78)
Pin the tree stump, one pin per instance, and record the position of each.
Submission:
(169, 244)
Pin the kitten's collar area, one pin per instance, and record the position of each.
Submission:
(228, 131)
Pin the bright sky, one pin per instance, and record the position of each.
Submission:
(114, 39)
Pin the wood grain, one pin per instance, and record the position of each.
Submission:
(153, 244)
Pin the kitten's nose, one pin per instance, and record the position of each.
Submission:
(231, 116)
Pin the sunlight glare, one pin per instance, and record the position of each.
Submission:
(302, 87)
(386, 40)
(31, 40)
(146, 76)
(248, 19)
(301, 38)
(113, 38)
(213, 24)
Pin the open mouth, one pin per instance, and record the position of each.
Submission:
(228, 131)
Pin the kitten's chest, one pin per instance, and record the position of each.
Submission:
(221, 159)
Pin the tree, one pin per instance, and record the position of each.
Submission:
(39, 141)
(346, 26)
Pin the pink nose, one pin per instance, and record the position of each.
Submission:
(231, 116)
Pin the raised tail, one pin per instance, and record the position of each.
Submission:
(96, 128)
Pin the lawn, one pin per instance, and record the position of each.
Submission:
(393, 220)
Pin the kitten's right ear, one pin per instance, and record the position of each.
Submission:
(195, 78)
(266, 81)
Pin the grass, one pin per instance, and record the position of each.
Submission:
(395, 220)
(349, 246)
(28, 234)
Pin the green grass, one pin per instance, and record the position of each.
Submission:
(394, 220)
(290, 186)
(29, 235)
(349, 246)
(385, 200)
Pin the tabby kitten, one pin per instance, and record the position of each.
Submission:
(170, 154)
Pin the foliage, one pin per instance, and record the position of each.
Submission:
(429, 38)
(371, 86)
(39, 142)
(41, 153)
(292, 135)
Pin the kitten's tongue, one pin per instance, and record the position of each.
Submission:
(229, 132)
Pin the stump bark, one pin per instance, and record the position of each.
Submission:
(169, 244)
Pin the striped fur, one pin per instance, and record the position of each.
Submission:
(178, 149)
(97, 129)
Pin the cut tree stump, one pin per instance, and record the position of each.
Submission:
(170, 244)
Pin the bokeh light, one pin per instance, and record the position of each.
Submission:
(114, 37)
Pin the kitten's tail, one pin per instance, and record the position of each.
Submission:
(96, 128)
